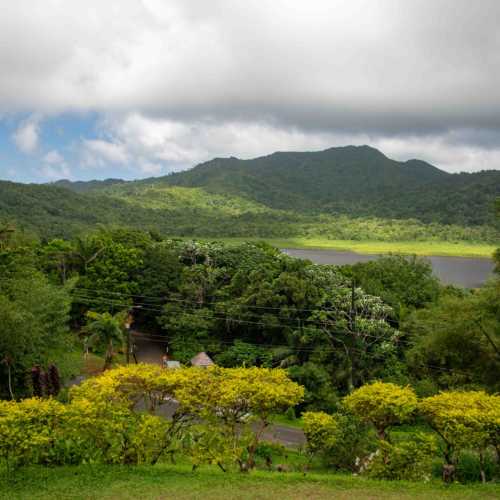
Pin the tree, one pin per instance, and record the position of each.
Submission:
(402, 282)
(34, 318)
(239, 402)
(107, 330)
(382, 405)
(496, 255)
(457, 340)
(463, 420)
(189, 331)
(245, 355)
(233, 406)
(59, 259)
(354, 325)
(109, 270)
(320, 393)
(321, 431)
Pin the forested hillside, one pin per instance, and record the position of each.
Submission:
(350, 193)
(358, 181)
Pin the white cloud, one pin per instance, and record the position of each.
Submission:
(26, 137)
(179, 82)
(55, 167)
(150, 146)
(99, 153)
(53, 157)
(55, 172)
(359, 65)
(150, 168)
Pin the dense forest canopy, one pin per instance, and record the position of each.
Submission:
(333, 328)
(351, 193)
(354, 351)
(350, 180)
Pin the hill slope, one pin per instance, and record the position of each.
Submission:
(356, 181)
(353, 180)
(353, 193)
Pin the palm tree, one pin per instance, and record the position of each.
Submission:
(107, 330)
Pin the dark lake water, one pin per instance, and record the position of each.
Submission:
(460, 271)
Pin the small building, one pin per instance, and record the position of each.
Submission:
(202, 359)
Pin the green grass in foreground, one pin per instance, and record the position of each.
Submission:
(444, 248)
(167, 481)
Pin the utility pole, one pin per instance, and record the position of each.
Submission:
(352, 328)
(128, 346)
(352, 313)
(128, 324)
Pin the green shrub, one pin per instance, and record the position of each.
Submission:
(410, 460)
(340, 440)
(469, 467)
(425, 388)
(266, 450)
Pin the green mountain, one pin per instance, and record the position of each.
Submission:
(87, 186)
(340, 193)
(358, 181)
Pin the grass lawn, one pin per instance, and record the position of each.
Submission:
(178, 482)
(438, 248)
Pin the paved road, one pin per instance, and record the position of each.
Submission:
(290, 437)
(149, 347)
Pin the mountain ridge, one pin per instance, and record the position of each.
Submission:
(311, 188)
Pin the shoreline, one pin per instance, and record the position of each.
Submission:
(420, 248)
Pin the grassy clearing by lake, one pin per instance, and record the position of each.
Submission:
(425, 248)
(168, 481)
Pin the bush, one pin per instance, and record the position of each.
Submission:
(320, 430)
(100, 423)
(411, 459)
(266, 450)
(464, 421)
(469, 467)
(340, 440)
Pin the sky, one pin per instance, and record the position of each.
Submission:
(91, 89)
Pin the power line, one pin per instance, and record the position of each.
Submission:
(228, 319)
(313, 349)
(308, 348)
(144, 306)
(209, 303)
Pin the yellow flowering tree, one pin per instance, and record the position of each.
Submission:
(320, 430)
(463, 419)
(110, 417)
(136, 388)
(239, 402)
(382, 405)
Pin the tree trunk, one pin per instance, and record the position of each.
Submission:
(109, 356)
(9, 375)
(449, 467)
(481, 467)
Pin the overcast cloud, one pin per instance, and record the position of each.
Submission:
(178, 82)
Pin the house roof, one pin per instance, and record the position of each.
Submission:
(202, 359)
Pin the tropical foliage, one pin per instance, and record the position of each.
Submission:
(230, 407)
